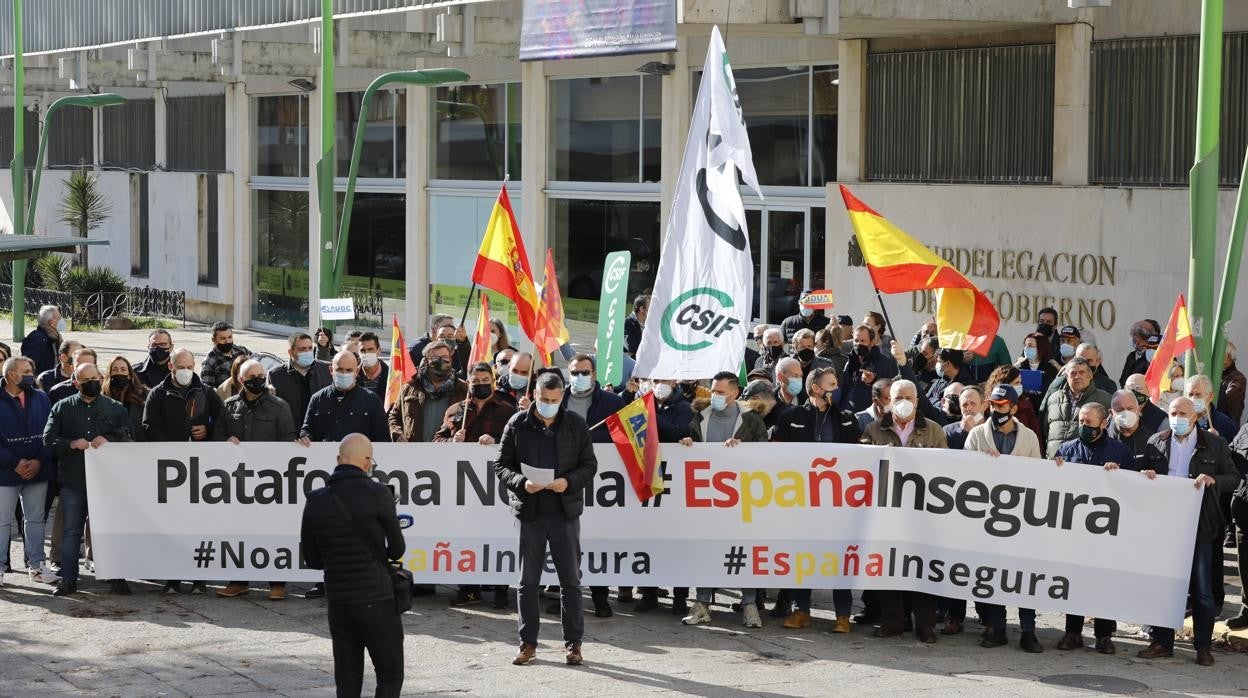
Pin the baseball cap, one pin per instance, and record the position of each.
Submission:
(1153, 341)
(845, 320)
(1004, 393)
(1069, 331)
(755, 388)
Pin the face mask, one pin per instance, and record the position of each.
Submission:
(183, 376)
(26, 383)
(952, 408)
(90, 388)
(1044, 328)
(158, 354)
(369, 360)
(1141, 398)
(1176, 385)
(862, 349)
(1149, 354)
(940, 368)
(806, 312)
(1126, 419)
(794, 386)
(662, 391)
(547, 410)
(719, 402)
(775, 353)
(517, 381)
(60, 325)
(438, 368)
(1030, 353)
(1067, 351)
(999, 419)
(582, 384)
(255, 386)
(344, 381)
(833, 397)
(806, 355)
(1088, 434)
(225, 348)
(1180, 425)
(903, 409)
(481, 391)
(304, 359)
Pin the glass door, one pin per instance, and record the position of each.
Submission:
(786, 258)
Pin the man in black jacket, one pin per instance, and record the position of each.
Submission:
(556, 447)
(301, 377)
(155, 367)
(635, 324)
(344, 407)
(1186, 451)
(346, 526)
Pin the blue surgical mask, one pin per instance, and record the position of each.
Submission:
(1198, 404)
(27, 382)
(517, 381)
(582, 384)
(547, 410)
(834, 397)
(1067, 351)
(344, 381)
(806, 312)
(304, 359)
(1149, 354)
(794, 386)
(1180, 425)
(718, 402)
(1030, 353)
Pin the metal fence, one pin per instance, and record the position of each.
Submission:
(96, 308)
(36, 298)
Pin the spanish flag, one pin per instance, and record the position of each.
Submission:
(1176, 340)
(635, 432)
(481, 343)
(401, 369)
(552, 333)
(503, 266)
(965, 318)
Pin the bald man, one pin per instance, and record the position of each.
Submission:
(346, 527)
(181, 407)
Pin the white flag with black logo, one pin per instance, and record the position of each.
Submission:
(703, 294)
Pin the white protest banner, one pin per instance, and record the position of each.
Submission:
(1015, 531)
(337, 308)
(700, 308)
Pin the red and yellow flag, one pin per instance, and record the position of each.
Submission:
(635, 432)
(552, 333)
(1176, 340)
(401, 369)
(503, 265)
(965, 317)
(482, 344)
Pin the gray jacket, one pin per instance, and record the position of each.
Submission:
(266, 419)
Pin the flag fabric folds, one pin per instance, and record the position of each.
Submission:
(481, 343)
(635, 432)
(552, 332)
(401, 368)
(700, 309)
(503, 265)
(1176, 340)
(965, 317)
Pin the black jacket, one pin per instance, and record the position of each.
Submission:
(793, 323)
(1239, 453)
(521, 443)
(856, 395)
(1135, 363)
(41, 348)
(171, 410)
(632, 334)
(333, 414)
(799, 424)
(353, 572)
(602, 404)
(288, 384)
(151, 373)
(1213, 458)
(73, 418)
(265, 419)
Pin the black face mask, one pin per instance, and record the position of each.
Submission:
(438, 368)
(775, 353)
(158, 355)
(119, 382)
(225, 348)
(481, 391)
(1088, 435)
(862, 349)
(953, 409)
(1045, 329)
(806, 355)
(255, 386)
(90, 388)
(999, 419)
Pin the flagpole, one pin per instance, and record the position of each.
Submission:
(887, 323)
(464, 318)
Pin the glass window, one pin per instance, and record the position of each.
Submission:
(71, 137)
(376, 254)
(598, 129)
(282, 136)
(129, 133)
(456, 228)
(582, 233)
(195, 137)
(825, 88)
(280, 258)
(477, 131)
(382, 150)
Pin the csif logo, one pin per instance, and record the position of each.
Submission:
(615, 274)
(704, 311)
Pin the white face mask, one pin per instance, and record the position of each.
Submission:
(903, 409)
(662, 391)
(183, 376)
(1126, 419)
(369, 360)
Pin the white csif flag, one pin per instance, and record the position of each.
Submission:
(703, 294)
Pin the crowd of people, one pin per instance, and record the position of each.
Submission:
(812, 378)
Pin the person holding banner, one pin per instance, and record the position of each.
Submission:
(27, 464)
(546, 461)
(1199, 455)
(1004, 434)
(301, 377)
(1092, 446)
(343, 408)
(374, 373)
(724, 421)
(424, 400)
(903, 427)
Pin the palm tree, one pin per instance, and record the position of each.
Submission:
(84, 208)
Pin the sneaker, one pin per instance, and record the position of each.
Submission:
(54, 566)
(199, 587)
(797, 620)
(750, 617)
(699, 615)
(233, 589)
(120, 587)
(65, 588)
(466, 598)
(172, 586)
(842, 625)
(526, 654)
(574, 657)
(277, 592)
(44, 574)
(89, 565)
(317, 591)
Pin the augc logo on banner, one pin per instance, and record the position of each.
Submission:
(337, 308)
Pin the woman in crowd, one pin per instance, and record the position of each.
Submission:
(123, 385)
(324, 344)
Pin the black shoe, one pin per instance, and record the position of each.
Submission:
(199, 587)
(120, 587)
(909, 624)
(782, 609)
(625, 595)
(1239, 622)
(1070, 641)
(500, 598)
(648, 602)
(886, 631)
(680, 607)
(65, 588)
(864, 619)
(317, 591)
(466, 598)
(994, 640)
(602, 608)
(173, 586)
(1029, 643)
(927, 637)
(1105, 645)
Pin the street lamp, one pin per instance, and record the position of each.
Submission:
(430, 77)
(106, 99)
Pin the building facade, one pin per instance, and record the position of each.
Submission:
(1042, 149)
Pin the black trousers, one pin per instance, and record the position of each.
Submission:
(893, 610)
(377, 628)
(563, 539)
(1101, 627)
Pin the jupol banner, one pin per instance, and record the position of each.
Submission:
(1015, 531)
(554, 29)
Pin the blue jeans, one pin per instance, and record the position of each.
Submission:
(32, 495)
(842, 600)
(74, 504)
(747, 595)
(1202, 600)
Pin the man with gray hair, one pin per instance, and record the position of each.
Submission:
(1231, 393)
(1101, 380)
(1061, 406)
(41, 344)
(1125, 425)
(771, 349)
(790, 383)
(26, 465)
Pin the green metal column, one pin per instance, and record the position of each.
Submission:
(1204, 185)
(17, 169)
(1230, 279)
(325, 166)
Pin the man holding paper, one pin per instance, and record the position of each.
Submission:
(545, 462)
